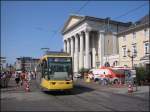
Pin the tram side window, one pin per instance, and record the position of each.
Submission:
(44, 68)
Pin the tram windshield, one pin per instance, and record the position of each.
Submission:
(58, 68)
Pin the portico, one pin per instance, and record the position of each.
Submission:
(82, 50)
(84, 38)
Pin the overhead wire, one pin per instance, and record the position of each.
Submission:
(77, 12)
(87, 2)
(82, 7)
(130, 11)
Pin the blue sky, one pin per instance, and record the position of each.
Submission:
(28, 26)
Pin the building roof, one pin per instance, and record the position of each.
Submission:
(138, 25)
(56, 53)
(27, 58)
(90, 18)
(2, 57)
(143, 19)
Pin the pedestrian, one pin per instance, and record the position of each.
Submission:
(29, 75)
(102, 81)
(26, 76)
(8, 76)
(105, 81)
(91, 75)
(3, 78)
(22, 77)
(26, 82)
(34, 75)
(17, 79)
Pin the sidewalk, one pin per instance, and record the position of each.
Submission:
(142, 92)
(12, 87)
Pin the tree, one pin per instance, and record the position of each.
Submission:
(142, 74)
(83, 70)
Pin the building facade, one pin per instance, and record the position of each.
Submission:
(2, 63)
(26, 63)
(92, 42)
(136, 40)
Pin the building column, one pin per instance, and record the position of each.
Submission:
(87, 49)
(93, 51)
(101, 48)
(81, 60)
(76, 60)
(67, 45)
(70, 46)
(71, 42)
(72, 50)
(65, 49)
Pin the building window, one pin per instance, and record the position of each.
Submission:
(146, 48)
(124, 38)
(134, 50)
(107, 64)
(115, 63)
(134, 35)
(146, 33)
(124, 51)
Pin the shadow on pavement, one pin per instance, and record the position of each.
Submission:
(78, 89)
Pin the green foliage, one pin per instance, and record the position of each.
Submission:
(142, 74)
(83, 70)
(147, 74)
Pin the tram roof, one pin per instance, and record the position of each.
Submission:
(56, 54)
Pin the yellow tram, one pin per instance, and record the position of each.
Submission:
(55, 71)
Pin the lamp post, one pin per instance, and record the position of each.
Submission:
(132, 55)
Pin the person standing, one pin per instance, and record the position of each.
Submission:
(22, 77)
(17, 79)
(34, 75)
(26, 82)
(29, 76)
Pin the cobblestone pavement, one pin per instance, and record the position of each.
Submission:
(84, 97)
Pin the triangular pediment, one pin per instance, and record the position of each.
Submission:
(72, 20)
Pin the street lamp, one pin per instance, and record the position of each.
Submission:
(132, 55)
(45, 49)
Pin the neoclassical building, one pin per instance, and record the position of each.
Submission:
(91, 41)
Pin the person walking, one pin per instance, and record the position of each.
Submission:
(17, 79)
(35, 75)
(3, 78)
(26, 82)
(22, 77)
(29, 76)
(32, 75)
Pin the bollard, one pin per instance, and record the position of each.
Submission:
(87, 79)
(130, 88)
(27, 88)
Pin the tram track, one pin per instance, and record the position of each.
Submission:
(84, 97)
(84, 103)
